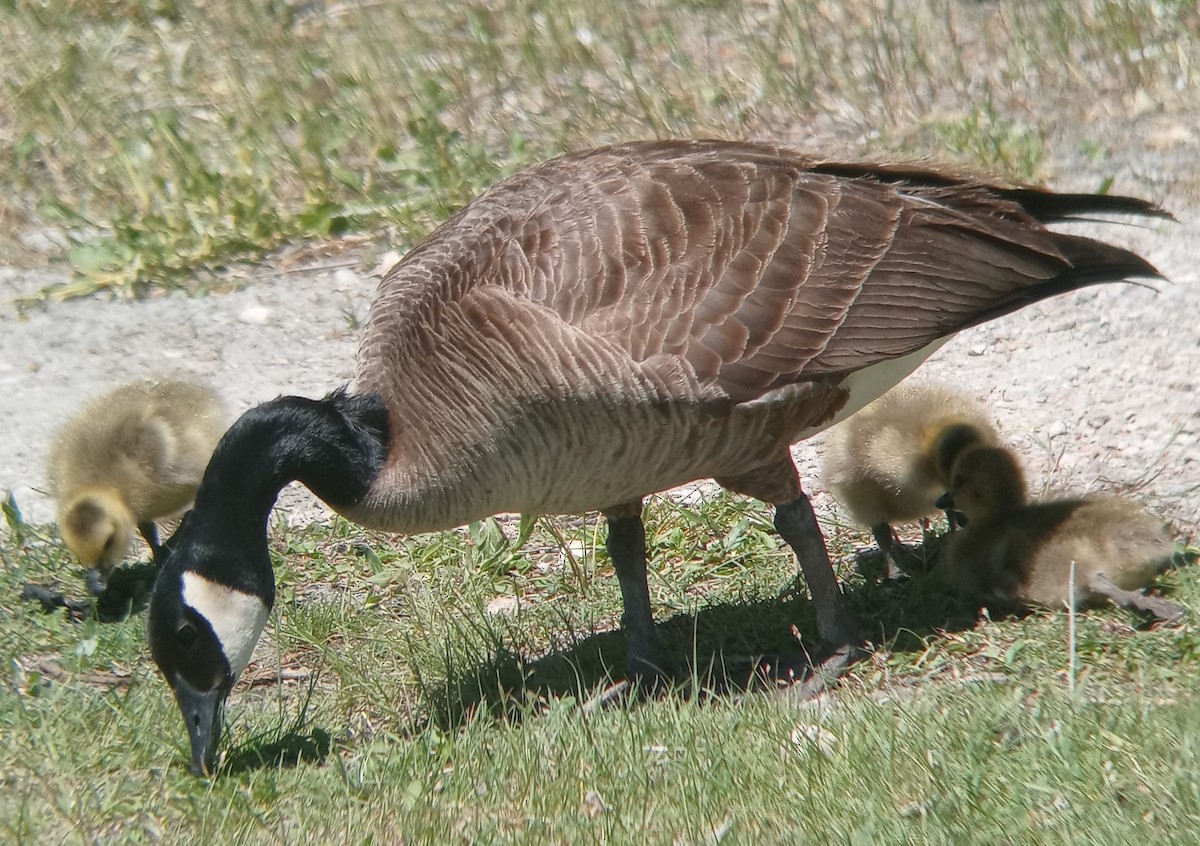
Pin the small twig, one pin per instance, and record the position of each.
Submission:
(605, 697)
(1071, 629)
(317, 268)
(51, 670)
(272, 676)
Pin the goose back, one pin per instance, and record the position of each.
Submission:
(1102, 535)
(660, 312)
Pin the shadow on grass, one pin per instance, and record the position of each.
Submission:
(719, 651)
(288, 750)
(127, 593)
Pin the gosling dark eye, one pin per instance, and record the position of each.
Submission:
(186, 635)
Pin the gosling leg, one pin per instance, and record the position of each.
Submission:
(626, 546)
(1156, 606)
(891, 548)
(149, 531)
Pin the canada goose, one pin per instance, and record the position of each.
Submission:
(1016, 553)
(128, 458)
(604, 326)
(891, 461)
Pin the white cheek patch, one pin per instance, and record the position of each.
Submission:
(237, 618)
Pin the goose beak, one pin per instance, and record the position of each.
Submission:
(945, 501)
(202, 716)
(96, 583)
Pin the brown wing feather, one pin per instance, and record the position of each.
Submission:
(668, 311)
(754, 267)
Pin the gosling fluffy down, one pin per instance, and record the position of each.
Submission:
(129, 457)
(1017, 553)
(891, 461)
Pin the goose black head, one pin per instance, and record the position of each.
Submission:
(203, 627)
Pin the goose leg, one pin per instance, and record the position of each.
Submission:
(797, 525)
(1155, 606)
(626, 546)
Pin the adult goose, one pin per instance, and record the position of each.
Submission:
(607, 325)
(891, 461)
(126, 459)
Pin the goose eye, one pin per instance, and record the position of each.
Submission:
(186, 634)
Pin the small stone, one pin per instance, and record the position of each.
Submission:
(386, 262)
(255, 315)
(918, 808)
(504, 606)
(49, 240)
(808, 736)
(593, 804)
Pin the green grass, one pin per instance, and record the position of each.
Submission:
(165, 140)
(412, 713)
(161, 138)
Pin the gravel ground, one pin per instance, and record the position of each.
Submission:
(1098, 390)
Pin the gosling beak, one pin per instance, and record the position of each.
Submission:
(202, 715)
(96, 583)
(954, 518)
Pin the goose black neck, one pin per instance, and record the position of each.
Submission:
(333, 446)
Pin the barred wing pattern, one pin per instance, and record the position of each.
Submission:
(616, 322)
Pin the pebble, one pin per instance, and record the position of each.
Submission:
(255, 315)
(503, 606)
(345, 279)
(386, 262)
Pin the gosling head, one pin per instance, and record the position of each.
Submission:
(206, 616)
(97, 526)
(985, 480)
(952, 440)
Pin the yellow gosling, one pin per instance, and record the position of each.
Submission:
(1014, 552)
(891, 461)
(128, 458)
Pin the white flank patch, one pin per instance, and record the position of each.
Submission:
(872, 382)
(237, 618)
